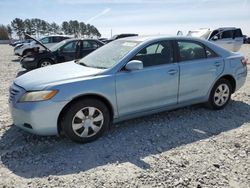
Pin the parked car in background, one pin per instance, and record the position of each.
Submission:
(67, 50)
(124, 35)
(104, 40)
(19, 42)
(124, 79)
(230, 38)
(246, 39)
(48, 41)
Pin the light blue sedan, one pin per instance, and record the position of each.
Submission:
(124, 79)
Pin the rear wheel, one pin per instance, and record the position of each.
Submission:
(86, 120)
(220, 94)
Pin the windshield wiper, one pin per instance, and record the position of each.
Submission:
(82, 63)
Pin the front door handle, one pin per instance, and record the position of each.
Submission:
(172, 71)
(217, 64)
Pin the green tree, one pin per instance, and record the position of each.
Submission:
(65, 28)
(82, 27)
(95, 32)
(3, 33)
(9, 29)
(54, 28)
(18, 26)
(74, 25)
(29, 28)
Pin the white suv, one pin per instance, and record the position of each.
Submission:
(48, 41)
(230, 38)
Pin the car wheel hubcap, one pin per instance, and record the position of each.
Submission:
(87, 122)
(221, 94)
(45, 63)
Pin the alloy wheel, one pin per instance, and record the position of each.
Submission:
(87, 122)
(45, 63)
(221, 95)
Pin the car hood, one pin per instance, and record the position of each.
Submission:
(37, 41)
(43, 77)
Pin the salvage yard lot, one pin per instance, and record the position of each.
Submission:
(190, 147)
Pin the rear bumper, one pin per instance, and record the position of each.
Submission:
(241, 79)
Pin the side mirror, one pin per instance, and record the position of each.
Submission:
(134, 65)
(215, 38)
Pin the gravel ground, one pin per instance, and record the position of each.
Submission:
(189, 147)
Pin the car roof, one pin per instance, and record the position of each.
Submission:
(156, 38)
(73, 39)
(159, 37)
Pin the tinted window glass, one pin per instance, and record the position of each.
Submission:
(215, 32)
(237, 33)
(70, 47)
(152, 49)
(156, 54)
(227, 34)
(191, 51)
(94, 44)
(86, 44)
(55, 39)
(210, 53)
(45, 40)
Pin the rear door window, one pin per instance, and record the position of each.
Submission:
(210, 53)
(237, 33)
(191, 51)
(70, 47)
(227, 34)
(45, 40)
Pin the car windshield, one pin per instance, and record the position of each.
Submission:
(57, 46)
(108, 55)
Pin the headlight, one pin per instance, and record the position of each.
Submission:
(29, 59)
(38, 96)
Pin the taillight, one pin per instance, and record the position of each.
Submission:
(244, 61)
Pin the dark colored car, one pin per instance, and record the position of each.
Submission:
(67, 50)
(115, 37)
(104, 40)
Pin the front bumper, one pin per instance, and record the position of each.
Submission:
(29, 65)
(39, 118)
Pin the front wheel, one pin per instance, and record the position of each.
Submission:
(220, 94)
(45, 63)
(86, 120)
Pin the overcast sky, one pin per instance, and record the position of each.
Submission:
(134, 16)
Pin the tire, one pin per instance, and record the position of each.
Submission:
(27, 52)
(45, 63)
(220, 95)
(85, 120)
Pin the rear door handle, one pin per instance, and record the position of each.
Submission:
(172, 71)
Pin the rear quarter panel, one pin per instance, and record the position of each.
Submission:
(234, 67)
